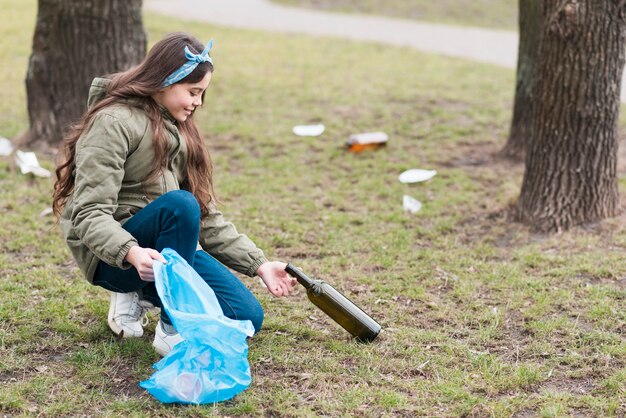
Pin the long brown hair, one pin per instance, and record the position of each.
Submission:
(136, 87)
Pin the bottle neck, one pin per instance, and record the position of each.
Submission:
(302, 278)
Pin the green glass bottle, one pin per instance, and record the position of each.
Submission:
(337, 306)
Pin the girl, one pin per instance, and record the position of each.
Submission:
(137, 178)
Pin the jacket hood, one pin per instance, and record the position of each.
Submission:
(97, 91)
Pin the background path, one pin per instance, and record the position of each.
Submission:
(485, 45)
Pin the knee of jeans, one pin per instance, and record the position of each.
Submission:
(184, 204)
(256, 316)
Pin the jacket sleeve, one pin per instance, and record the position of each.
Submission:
(100, 157)
(221, 239)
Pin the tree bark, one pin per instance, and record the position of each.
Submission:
(75, 41)
(571, 164)
(530, 24)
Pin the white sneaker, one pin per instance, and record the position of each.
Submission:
(127, 314)
(164, 342)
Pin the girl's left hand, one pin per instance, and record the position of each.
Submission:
(278, 282)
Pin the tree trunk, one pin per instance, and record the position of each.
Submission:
(530, 23)
(571, 164)
(75, 41)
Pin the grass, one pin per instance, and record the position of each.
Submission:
(480, 317)
(496, 14)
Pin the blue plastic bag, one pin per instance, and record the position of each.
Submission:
(211, 365)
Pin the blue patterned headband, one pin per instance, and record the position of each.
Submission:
(192, 62)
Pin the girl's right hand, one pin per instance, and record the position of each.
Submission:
(141, 258)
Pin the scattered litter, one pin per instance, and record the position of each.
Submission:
(309, 130)
(416, 175)
(365, 141)
(45, 212)
(27, 161)
(410, 204)
(6, 148)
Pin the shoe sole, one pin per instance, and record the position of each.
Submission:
(164, 352)
(160, 352)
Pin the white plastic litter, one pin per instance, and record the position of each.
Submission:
(309, 130)
(368, 138)
(411, 204)
(416, 175)
(28, 163)
(6, 148)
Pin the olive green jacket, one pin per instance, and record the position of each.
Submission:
(113, 157)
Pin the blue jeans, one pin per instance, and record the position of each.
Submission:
(173, 220)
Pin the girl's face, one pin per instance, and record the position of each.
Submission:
(181, 99)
